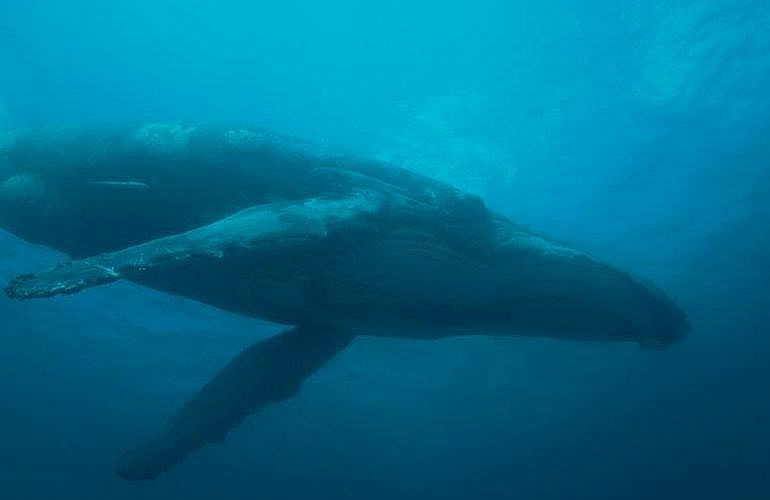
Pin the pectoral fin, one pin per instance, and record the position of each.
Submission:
(269, 371)
(267, 226)
(64, 279)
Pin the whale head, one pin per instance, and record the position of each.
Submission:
(56, 203)
(557, 291)
(62, 189)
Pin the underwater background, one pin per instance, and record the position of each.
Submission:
(638, 131)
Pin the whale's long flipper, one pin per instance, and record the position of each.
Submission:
(269, 227)
(269, 371)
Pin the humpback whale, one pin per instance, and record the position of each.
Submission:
(332, 246)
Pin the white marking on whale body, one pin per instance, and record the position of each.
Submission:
(164, 138)
(244, 139)
(129, 185)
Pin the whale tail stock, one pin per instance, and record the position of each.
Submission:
(269, 371)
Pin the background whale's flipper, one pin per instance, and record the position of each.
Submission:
(64, 279)
(269, 371)
(261, 227)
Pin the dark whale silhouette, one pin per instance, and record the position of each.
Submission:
(331, 245)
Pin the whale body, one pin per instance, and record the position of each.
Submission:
(333, 246)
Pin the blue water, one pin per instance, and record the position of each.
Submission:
(635, 130)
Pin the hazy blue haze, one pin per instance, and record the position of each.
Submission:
(636, 130)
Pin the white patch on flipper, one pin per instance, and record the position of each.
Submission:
(510, 236)
(109, 271)
(543, 246)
